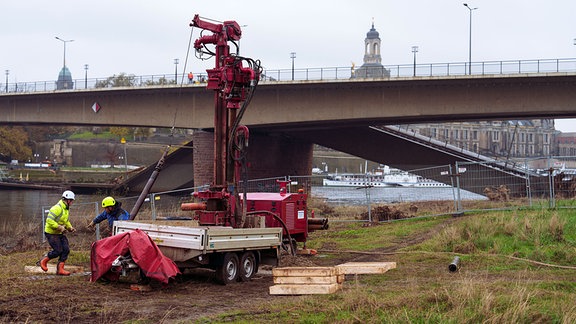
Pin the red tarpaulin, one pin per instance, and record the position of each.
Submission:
(143, 250)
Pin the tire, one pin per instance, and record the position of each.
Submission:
(227, 272)
(248, 266)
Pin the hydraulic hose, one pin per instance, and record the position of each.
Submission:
(281, 222)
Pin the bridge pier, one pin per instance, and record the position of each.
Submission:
(268, 156)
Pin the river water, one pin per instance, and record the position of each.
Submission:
(27, 205)
(353, 196)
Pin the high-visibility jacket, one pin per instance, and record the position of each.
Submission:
(58, 215)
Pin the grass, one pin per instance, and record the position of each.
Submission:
(498, 281)
(88, 135)
(492, 286)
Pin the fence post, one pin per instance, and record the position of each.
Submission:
(153, 205)
(97, 227)
(44, 212)
(552, 199)
(459, 200)
(528, 182)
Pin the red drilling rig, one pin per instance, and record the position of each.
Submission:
(223, 203)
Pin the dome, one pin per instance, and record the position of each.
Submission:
(65, 74)
(372, 33)
(64, 79)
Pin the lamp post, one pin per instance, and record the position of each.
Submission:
(86, 76)
(7, 73)
(414, 50)
(176, 61)
(470, 39)
(293, 56)
(64, 42)
(123, 141)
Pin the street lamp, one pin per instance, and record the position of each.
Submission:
(176, 70)
(414, 50)
(86, 76)
(123, 141)
(7, 72)
(293, 56)
(470, 39)
(64, 41)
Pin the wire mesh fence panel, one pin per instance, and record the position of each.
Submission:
(168, 204)
(385, 193)
(557, 183)
(540, 182)
(501, 188)
(389, 193)
(161, 205)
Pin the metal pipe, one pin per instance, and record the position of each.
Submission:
(193, 206)
(455, 265)
(149, 185)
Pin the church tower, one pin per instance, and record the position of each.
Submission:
(372, 47)
(372, 67)
(64, 79)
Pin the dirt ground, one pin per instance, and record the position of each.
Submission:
(26, 297)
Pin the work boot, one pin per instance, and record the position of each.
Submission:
(60, 269)
(43, 263)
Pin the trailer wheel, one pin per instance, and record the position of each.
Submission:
(248, 266)
(228, 271)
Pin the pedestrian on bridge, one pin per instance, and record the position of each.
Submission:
(58, 223)
(112, 211)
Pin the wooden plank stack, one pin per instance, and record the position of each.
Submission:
(366, 267)
(321, 280)
(306, 280)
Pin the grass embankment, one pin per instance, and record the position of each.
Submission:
(497, 281)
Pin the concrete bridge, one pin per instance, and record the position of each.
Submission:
(286, 118)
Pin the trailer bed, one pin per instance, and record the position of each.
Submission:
(183, 242)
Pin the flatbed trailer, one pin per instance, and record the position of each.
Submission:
(234, 253)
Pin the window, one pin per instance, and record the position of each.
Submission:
(495, 136)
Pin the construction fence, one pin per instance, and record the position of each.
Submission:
(441, 190)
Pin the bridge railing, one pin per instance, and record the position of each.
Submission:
(567, 65)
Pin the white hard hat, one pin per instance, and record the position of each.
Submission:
(68, 194)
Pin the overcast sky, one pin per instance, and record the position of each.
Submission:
(143, 37)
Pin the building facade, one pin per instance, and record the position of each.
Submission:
(502, 139)
(566, 143)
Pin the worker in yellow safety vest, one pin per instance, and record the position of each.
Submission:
(58, 223)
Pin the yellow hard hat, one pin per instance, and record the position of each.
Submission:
(108, 202)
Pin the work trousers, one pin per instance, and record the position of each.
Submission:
(59, 245)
